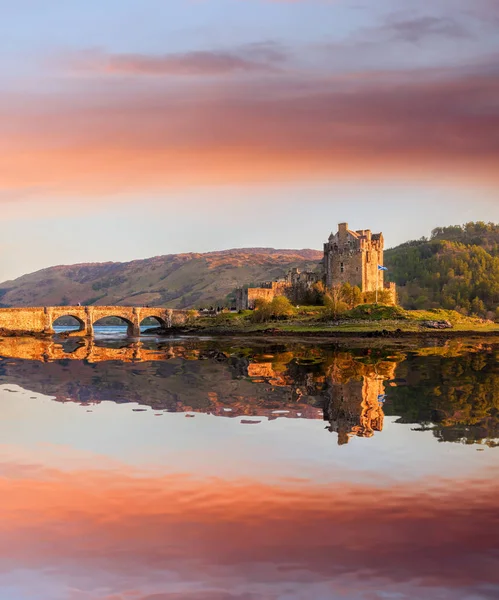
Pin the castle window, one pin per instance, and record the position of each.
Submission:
(342, 268)
(367, 257)
(357, 269)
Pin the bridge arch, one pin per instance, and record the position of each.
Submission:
(58, 321)
(130, 325)
(157, 321)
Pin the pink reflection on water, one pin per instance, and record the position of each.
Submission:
(112, 535)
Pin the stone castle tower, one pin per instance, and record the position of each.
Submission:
(349, 257)
(353, 257)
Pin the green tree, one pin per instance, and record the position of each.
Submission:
(458, 268)
(281, 308)
(351, 294)
(262, 311)
(478, 307)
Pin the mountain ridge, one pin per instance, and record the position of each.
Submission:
(174, 280)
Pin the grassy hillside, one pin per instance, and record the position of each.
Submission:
(174, 280)
(456, 268)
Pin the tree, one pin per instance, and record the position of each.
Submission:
(458, 268)
(317, 293)
(384, 297)
(478, 307)
(281, 308)
(334, 302)
(351, 295)
(262, 311)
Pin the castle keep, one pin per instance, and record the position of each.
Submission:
(353, 257)
(349, 257)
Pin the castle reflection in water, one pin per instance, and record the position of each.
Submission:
(346, 387)
(292, 384)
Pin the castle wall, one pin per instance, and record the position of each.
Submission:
(293, 287)
(255, 294)
(344, 265)
(241, 298)
(372, 257)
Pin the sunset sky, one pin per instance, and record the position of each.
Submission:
(132, 128)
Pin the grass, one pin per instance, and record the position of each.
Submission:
(361, 319)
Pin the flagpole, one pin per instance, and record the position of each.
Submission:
(377, 282)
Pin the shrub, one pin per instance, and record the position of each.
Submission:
(262, 311)
(191, 316)
(279, 308)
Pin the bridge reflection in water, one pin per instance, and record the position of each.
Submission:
(206, 377)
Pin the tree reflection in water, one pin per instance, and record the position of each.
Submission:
(452, 389)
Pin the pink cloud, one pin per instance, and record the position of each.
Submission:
(109, 138)
(199, 63)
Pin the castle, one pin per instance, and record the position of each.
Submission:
(349, 257)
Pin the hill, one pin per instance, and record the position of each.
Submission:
(174, 280)
(456, 268)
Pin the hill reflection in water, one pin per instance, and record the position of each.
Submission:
(341, 488)
(452, 390)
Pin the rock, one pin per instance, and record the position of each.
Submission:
(437, 324)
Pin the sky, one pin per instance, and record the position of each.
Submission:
(135, 128)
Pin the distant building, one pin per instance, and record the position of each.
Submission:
(349, 257)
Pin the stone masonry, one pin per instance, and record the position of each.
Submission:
(349, 257)
(353, 257)
(41, 319)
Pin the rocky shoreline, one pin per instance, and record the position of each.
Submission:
(383, 333)
(332, 333)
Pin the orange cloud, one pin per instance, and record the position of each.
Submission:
(111, 138)
(121, 528)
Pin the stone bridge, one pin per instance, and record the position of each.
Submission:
(41, 319)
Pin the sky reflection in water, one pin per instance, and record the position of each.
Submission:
(287, 480)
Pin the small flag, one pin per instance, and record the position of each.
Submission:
(381, 397)
(382, 268)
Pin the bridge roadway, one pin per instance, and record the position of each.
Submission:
(41, 319)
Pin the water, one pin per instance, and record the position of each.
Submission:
(236, 469)
(103, 331)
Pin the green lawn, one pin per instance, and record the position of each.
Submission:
(361, 319)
